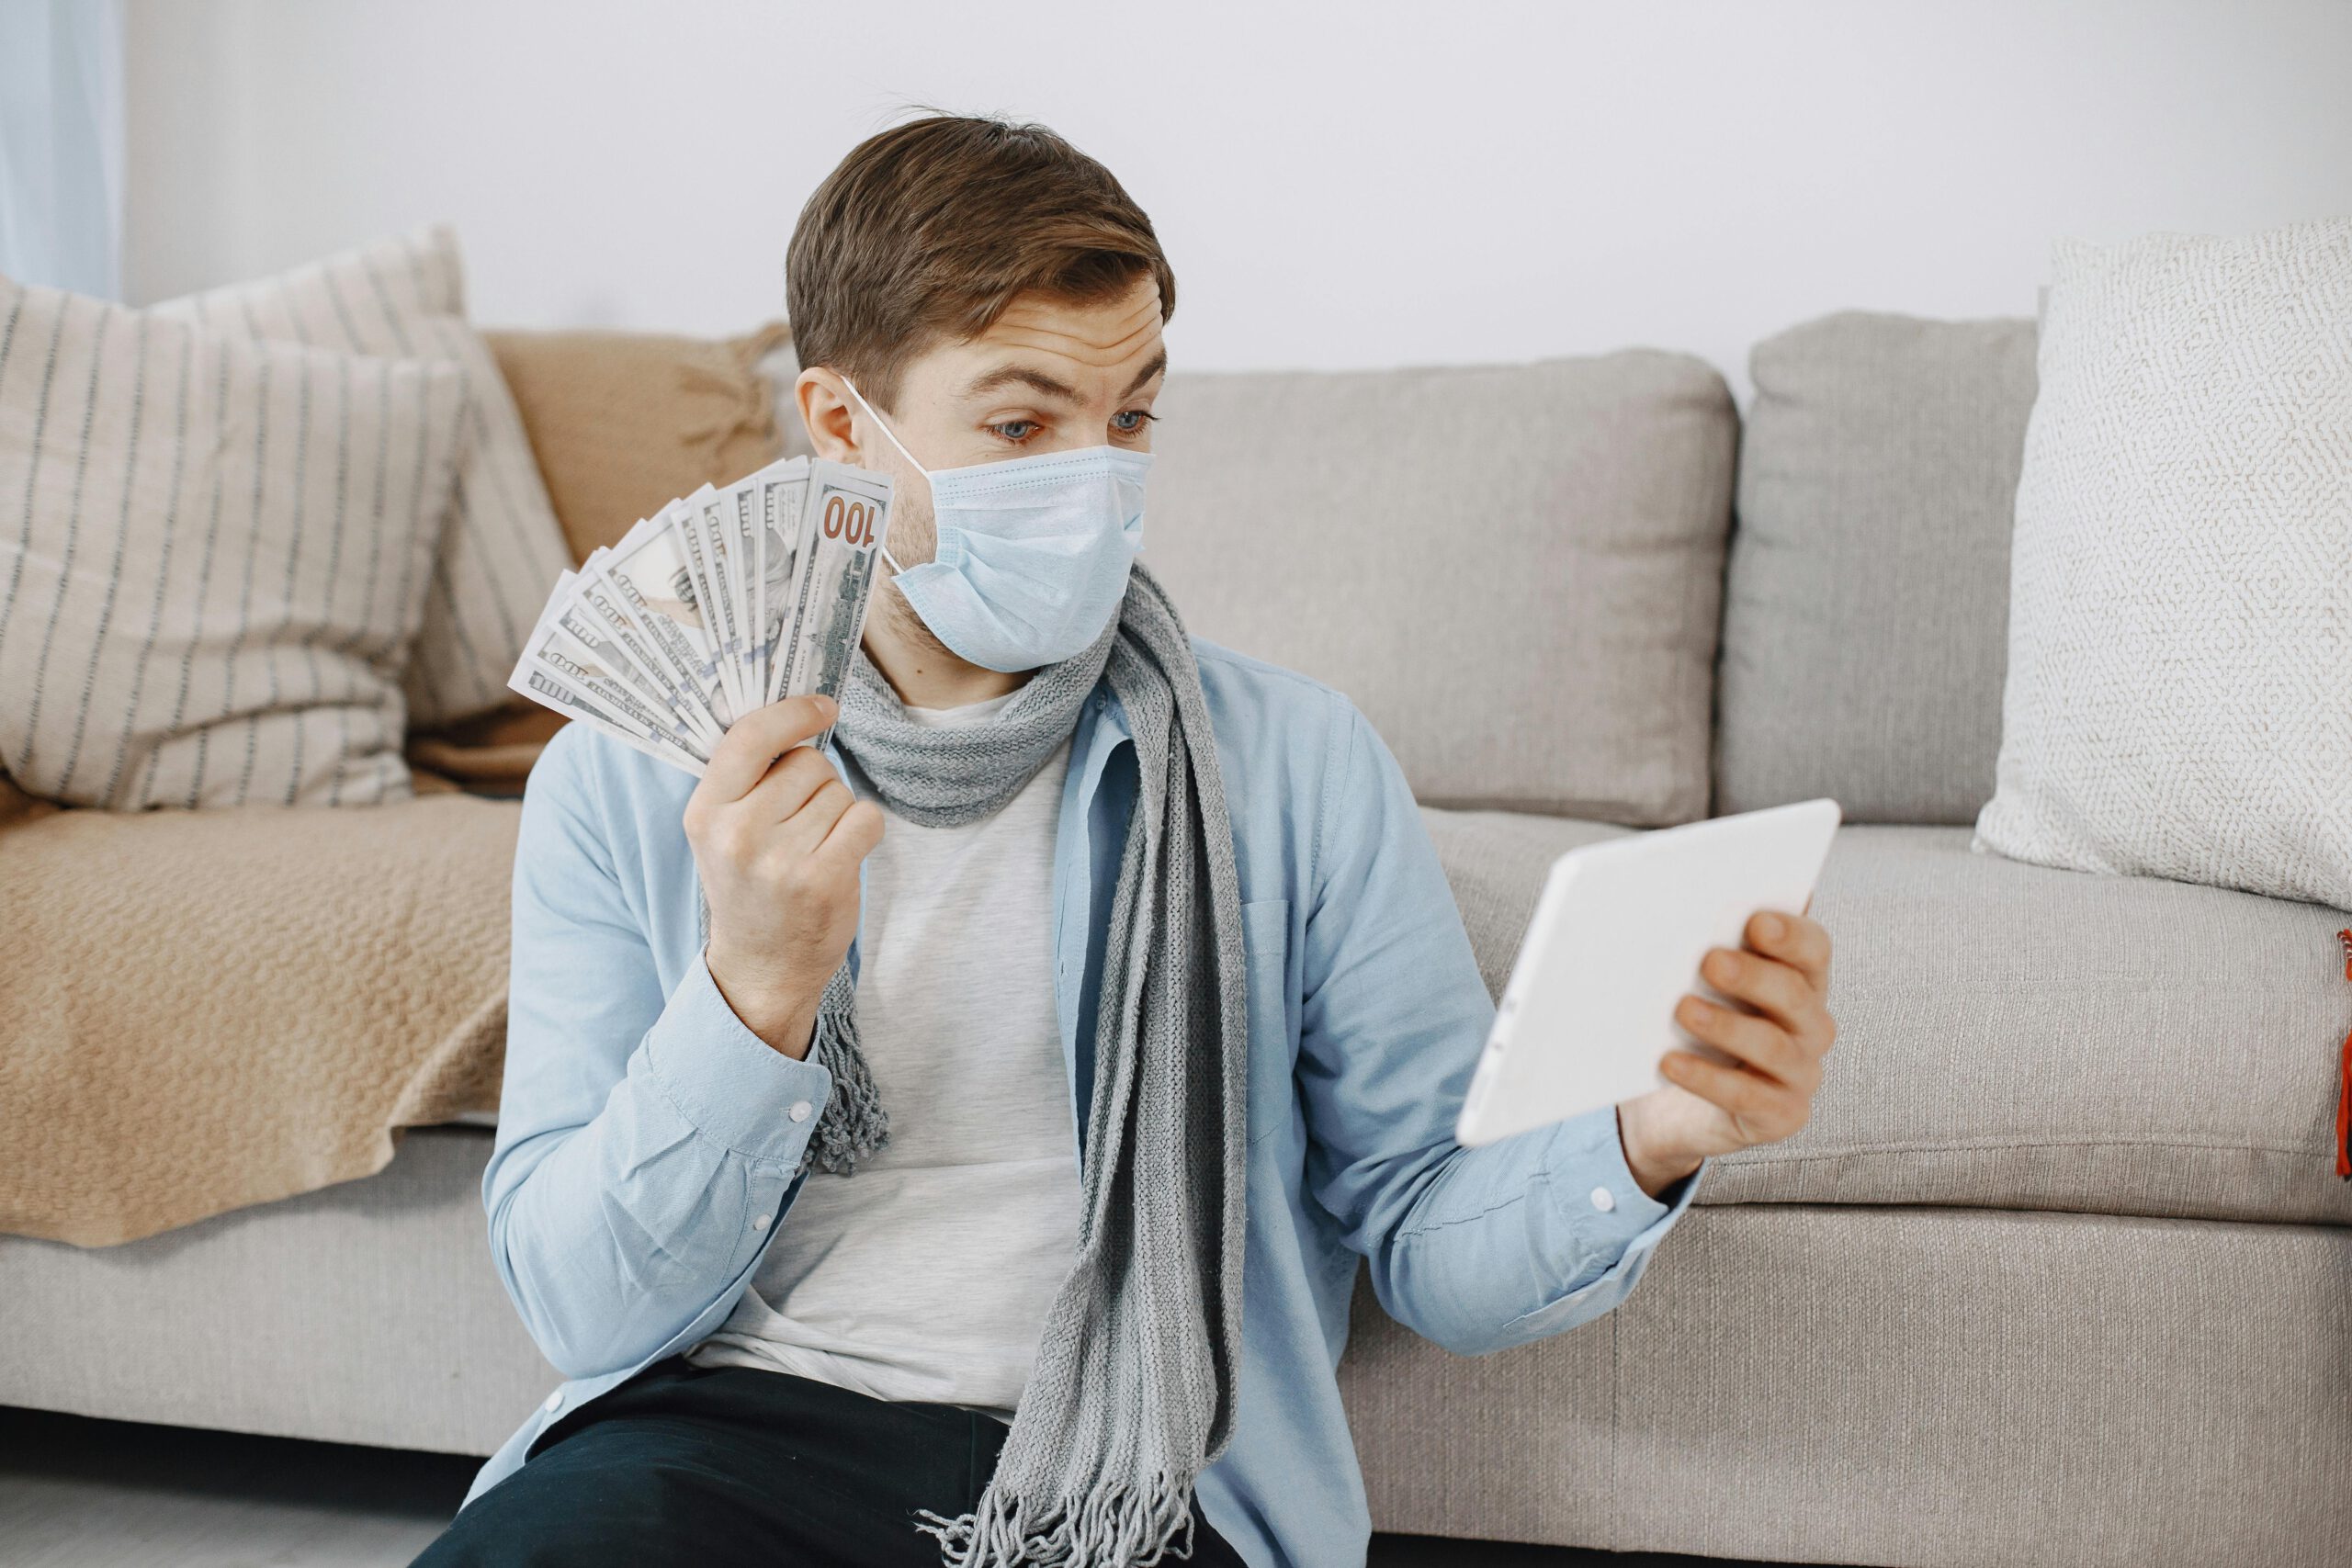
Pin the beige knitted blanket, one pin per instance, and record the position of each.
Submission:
(205, 1009)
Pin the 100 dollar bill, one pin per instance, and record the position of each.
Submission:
(719, 603)
(842, 529)
(652, 572)
(558, 671)
(783, 492)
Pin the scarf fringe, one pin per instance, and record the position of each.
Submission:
(1116, 1524)
(855, 1124)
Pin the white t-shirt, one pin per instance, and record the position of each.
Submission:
(927, 1275)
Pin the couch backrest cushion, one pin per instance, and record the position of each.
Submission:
(1866, 601)
(625, 422)
(1514, 570)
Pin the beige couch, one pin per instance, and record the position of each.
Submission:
(2059, 1274)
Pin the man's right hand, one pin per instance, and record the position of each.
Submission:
(778, 839)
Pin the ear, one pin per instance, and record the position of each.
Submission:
(826, 410)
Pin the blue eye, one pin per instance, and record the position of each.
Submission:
(1131, 421)
(1015, 430)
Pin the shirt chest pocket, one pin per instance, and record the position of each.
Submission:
(1273, 1008)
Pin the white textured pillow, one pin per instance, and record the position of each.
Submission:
(502, 549)
(2179, 690)
(213, 556)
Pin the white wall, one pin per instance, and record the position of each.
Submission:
(1336, 185)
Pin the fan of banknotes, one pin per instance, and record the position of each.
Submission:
(718, 603)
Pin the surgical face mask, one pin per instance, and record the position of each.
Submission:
(1033, 551)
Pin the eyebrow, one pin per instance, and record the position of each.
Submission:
(1037, 380)
(1011, 375)
(1158, 363)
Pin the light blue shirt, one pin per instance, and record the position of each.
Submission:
(648, 1141)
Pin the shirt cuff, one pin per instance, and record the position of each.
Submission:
(1589, 1178)
(735, 1088)
(1619, 1224)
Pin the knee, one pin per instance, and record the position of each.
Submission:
(559, 1512)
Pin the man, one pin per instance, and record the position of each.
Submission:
(960, 1142)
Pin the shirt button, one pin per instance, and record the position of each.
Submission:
(1603, 1198)
(555, 1399)
(799, 1111)
(758, 1221)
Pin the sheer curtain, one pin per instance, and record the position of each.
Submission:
(61, 143)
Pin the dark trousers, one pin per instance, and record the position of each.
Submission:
(716, 1466)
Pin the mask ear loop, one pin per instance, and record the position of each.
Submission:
(895, 567)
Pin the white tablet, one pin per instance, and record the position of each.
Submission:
(1616, 940)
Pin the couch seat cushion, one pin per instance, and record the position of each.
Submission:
(2013, 1036)
(202, 1010)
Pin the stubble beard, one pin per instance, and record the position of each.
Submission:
(920, 538)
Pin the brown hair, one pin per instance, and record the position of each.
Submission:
(929, 229)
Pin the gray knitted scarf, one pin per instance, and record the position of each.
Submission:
(1132, 1391)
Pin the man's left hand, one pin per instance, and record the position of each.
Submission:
(1776, 1041)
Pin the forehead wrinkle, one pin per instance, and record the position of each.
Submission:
(1030, 323)
(1066, 345)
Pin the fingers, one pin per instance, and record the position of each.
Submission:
(753, 743)
(1758, 1042)
(788, 786)
(1762, 1110)
(858, 831)
(806, 827)
(1766, 985)
(1798, 940)
(832, 833)
(794, 809)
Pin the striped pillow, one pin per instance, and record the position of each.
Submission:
(503, 551)
(213, 556)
